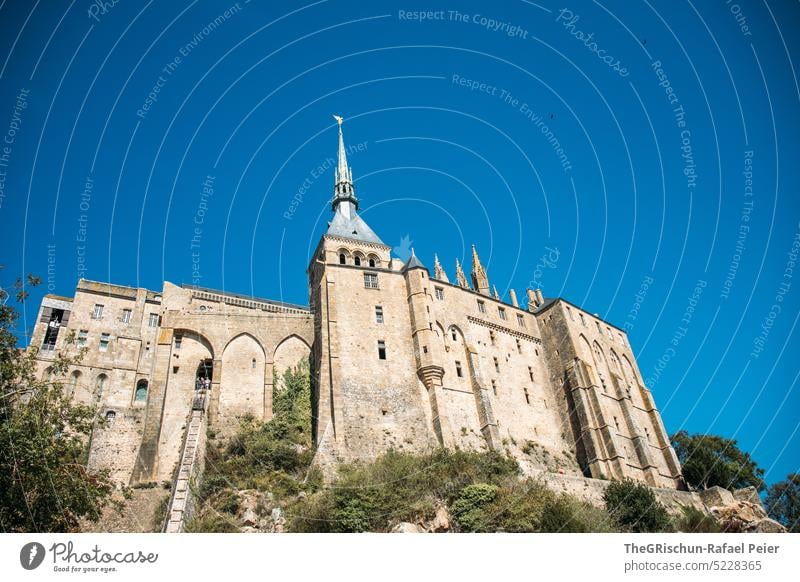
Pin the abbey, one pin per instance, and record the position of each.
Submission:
(401, 357)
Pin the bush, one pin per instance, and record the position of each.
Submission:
(633, 507)
(692, 520)
(564, 514)
(469, 509)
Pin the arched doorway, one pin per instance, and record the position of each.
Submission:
(204, 374)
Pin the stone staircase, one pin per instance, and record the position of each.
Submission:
(181, 504)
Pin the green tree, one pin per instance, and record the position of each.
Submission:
(783, 502)
(45, 485)
(710, 460)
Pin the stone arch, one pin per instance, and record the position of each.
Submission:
(100, 386)
(616, 366)
(140, 392)
(241, 390)
(359, 259)
(289, 352)
(373, 260)
(343, 253)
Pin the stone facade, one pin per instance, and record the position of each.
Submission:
(400, 359)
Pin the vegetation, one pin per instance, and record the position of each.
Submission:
(45, 485)
(273, 457)
(692, 520)
(783, 502)
(633, 507)
(710, 460)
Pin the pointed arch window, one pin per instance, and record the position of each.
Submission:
(140, 395)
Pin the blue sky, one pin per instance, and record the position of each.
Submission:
(636, 158)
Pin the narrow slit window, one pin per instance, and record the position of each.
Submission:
(381, 350)
(378, 314)
(459, 371)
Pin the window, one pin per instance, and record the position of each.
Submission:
(496, 365)
(357, 261)
(647, 434)
(381, 350)
(98, 311)
(494, 387)
(459, 371)
(110, 416)
(253, 363)
(371, 280)
(126, 316)
(178, 342)
(481, 306)
(492, 337)
(616, 422)
(372, 262)
(439, 293)
(153, 320)
(104, 339)
(519, 346)
(342, 259)
(99, 387)
(530, 373)
(527, 396)
(583, 319)
(73, 382)
(82, 337)
(378, 314)
(608, 331)
(453, 334)
(141, 391)
(520, 320)
(502, 313)
(599, 329)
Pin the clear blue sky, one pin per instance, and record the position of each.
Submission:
(645, 215)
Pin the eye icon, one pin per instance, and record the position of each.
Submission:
(31, 555)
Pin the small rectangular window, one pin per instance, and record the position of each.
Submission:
(439, 293)
(492, 337)
(371, 280)
(153, 320)
(494, 387)
(82, 337)
(98, 311)
(519, 346)
(381, 350)
(126, 316)
(378, 314)
(459, 371)
(502, 313)
(104, 340)
(496, 365)
(530, 373)
(520, 320)
(481, 306)
(178, 341)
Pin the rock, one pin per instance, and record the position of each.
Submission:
(406, 527)
(749, 494)
(716, 497)
(768, 525)
(249, 518)
(248, 530)
(277, 513)
(441, 520)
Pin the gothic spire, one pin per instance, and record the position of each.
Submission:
(461, 278)
(343, 190)
(480, 281)
(438, 271)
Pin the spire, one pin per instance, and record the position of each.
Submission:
(461, 278)
(496, 294)
(480, 281)
(343, 190)
(414, 262)
(438, 271)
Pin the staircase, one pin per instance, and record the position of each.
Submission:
(181, 504)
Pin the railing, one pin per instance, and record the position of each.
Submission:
(199, 400)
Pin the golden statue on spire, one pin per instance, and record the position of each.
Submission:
(338, 119)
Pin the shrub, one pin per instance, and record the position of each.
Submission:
(469, 508)
(633, 507)
(692, 520)
(564, 514)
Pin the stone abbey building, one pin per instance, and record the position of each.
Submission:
(400, 357)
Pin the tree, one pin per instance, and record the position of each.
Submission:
(710, 460)
(783, 502)
(45, 485)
